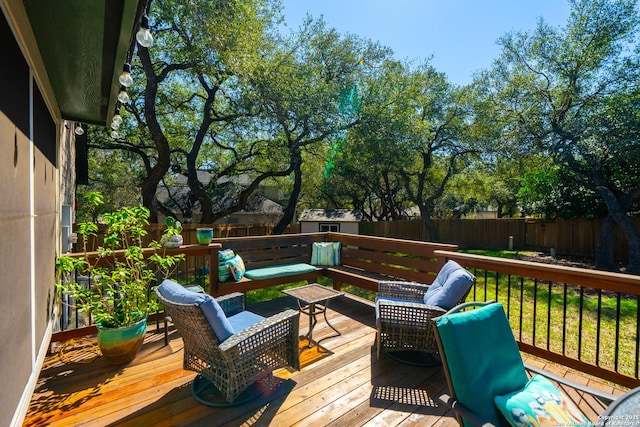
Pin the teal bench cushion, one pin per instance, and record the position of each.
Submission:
(279, 271)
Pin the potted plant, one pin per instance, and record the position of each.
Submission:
(118, 278)
(172, 237)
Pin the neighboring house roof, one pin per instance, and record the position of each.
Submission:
(181, 198)
(335, 215)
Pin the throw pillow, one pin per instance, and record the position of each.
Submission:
(224, 257)
(325, 253)
(452, 282)
(237, 268)
(539, 403)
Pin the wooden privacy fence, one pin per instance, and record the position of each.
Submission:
(575, 237)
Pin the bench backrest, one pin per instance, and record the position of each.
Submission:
(404, 259)
(267, 251)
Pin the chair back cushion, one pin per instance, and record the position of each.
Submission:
(482, 359)
(176, 293)
(450, 285)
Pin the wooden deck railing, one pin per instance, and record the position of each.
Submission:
(584, 319)
(193, 270)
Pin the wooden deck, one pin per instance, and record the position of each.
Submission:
(342, 386)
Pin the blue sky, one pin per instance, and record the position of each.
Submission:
(460, 34)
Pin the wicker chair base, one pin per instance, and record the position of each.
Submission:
(415, 358)
(205, 392)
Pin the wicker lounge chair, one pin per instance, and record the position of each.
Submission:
(404, 311)
(234, 363)
(487, 378)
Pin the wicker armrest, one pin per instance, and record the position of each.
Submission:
(412, 291)
(252, 343)
(231, 303)
(407, 313)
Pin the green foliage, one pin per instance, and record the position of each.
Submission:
(120, 273)
(174, 227)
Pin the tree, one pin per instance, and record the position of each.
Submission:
(300, 88)
(415, 134)
(571, 93)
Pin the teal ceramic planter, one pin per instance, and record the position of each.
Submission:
(120, 345)
(204, 235)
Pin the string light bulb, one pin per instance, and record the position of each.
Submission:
(144, 37)
(116, 121)
(115, 134)
(79, 130)
(123, 96)
(125, 78)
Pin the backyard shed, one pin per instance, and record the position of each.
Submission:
(337, 220)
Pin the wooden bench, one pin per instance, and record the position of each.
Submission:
(365, 260)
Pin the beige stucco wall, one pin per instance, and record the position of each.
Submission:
(29, 215)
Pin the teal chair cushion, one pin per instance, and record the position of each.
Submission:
(482, 357)
(211, 310)
(449, 286)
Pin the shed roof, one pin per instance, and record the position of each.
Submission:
(334, 215)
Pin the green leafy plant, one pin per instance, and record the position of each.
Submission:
(174, 227)
(120, 274)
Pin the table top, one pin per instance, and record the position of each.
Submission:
(313, 293)
(624, 411)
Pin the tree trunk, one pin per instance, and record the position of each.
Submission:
(617, 208)
(158, 171)
(425, 213)
(290, 209)
(606, 246)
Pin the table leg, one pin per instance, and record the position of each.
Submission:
(312, 323)
(326, 307)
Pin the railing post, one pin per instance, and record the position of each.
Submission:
(213, 271)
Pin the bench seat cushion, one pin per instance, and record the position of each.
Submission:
(279, 271)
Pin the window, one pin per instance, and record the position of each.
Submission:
(330, 227)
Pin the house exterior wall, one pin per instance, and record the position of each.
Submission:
(29, 216)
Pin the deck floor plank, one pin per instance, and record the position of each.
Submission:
(341, 383)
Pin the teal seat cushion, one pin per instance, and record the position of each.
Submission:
(243, 320)
(279, 271)
(211, 310)
(483, 359)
